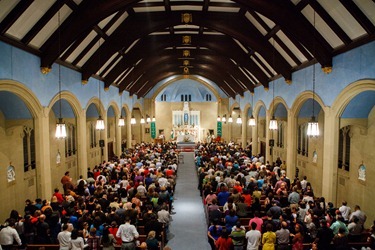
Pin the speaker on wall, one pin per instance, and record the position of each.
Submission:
(101, 143)
(272, 142)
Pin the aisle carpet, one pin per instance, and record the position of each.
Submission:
(188, 229)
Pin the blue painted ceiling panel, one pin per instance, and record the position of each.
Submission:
(92, 111)
(13, 107)
(360, 106)
(66, 109)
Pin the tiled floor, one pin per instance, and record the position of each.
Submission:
(188, 229)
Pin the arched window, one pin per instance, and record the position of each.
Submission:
(29, 161)
(344, 148)
(70, 140)
(280, 135)
(92, 136)
(303, 140)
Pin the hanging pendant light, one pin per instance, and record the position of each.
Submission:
(218, 118)
(121, 120)
(148, 119)
(239, 120)
(132, 120)
(100, 121)
(230, 119)
(153, 119)
(252, 119)
(60, 125)
(313, 125)
(273, 121)
(142, 120)
(224, 119)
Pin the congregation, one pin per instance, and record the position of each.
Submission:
(123, 203)
(252, 204)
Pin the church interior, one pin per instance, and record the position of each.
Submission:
(187, 71)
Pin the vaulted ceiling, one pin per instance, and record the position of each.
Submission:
(237, 44)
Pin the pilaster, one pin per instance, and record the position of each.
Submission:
(82, 144)
(44, 161)
(330, 142)
(243, 129)
(128, 132)
(255, 143)
(118, 139)
(103, 136)
(291, 145)
(268, 156)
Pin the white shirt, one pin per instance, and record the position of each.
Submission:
(345, 211)
(7, 235)
(77, 244)
(127, 232)
(64, 239)
(253, 239)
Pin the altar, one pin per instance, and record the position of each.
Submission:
(186, 126)
(185, 138)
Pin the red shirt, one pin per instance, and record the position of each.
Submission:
(113, 231)
(59, 197)
(169, 172)
(248, 199)
(224, 244)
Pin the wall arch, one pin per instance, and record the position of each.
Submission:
(275, 101)
(115, 107)
(71, 99)
(166, 84)
(99, 105)
(258, 105)
(25, 94)
(302, 98)
(348, 93)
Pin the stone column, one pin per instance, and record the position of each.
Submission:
(330, 133)
(82, 144)
(268, 156)
(291, 145)
(103, 136)
(43, 174)
(118, 139)
(128, 132)
(243, 130)
(255, 144)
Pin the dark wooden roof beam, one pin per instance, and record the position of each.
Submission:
(42, 22)
(14, 14)
(330, 21)
(361, 18)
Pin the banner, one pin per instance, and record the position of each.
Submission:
(153, 130)
(219, 129)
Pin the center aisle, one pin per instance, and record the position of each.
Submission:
(188, 229)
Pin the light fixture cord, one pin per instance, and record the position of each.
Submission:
(313, 105)
(59, 66)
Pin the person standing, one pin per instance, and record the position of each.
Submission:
(253, 237)
(128, 234)
(324, 236)
(238, 236)
(269, 238)
(64, 237)
(8, 235)
(282, 236)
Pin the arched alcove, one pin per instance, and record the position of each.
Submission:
(20, 150)
(355, 112)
